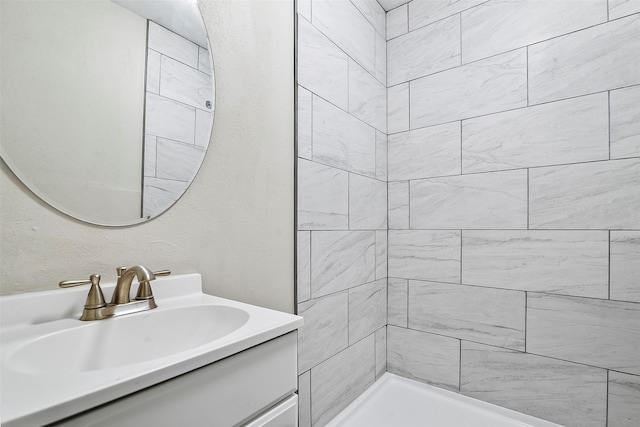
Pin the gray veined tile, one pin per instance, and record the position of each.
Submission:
(381, 59)
(625, 266)
(424, 357)
(305, 120)
(428, 50)
(381, 254)
(150, 155)
(204, 61)
(425, 255)
(204, 124)
(323, 197)
(381, 156)
(423, 153)
(367, 203)
(304, 399)
(367, 97)
(177, 161)
(535, 385)
(488, 86)
(496, 200)
(381, 351)
(304, 9)
(489, 316)
(398, 205)
(599, 195)
(367, 309)
(423, 13)
(397, 22)
(345, 25)
(336, 382)
(374, 13)
(585, 330)
(501, 25)
(341, 260)
(160, 194)
(599, 58)
(322, 67)
(562, 262)
(341, 140)
(153, 71)
(169, 119)
(398, 108)
(625, 122)
(397, 302)
(620, 8)
(325, 331)
(624, 400)
(391, 4)
(172, 45)
(303, 258)
(570, 131)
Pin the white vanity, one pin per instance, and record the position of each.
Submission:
(194, 360)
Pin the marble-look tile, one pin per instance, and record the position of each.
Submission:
(585, 330)
(374, 13)
(159, 194)
(599, 58)
(305, 120)
(425, 255)
(423, 153)
(381, 155)
(153, 71)
(204, 61)
(625, 266)
(367, 203)
(341, 260)
(561, 262)
(397, 22)
(624, 400)
(398, 108)
(485, 315)
(323, 197)
(336, 382)
(367, 309)
(423, 357)
(398, 205)
(150, 155)
(484, 32)
(428, 50)
(367, 97)
(325, 331)
(177, 161)
(381, 59)
(322, 67)
(343, 23)
(341, 140)
(303, 262)
(423, 13)
(169, 119)
(204, 125)
(620, 8)
(493, 200)
(535, 385)
(172, 45)
(625, 122)
(391, 4)
(571, 131)
(602, 195)
(381, 351)
(304, 400)
(397, 302)
(494, 84)
(304, 9)
(381, 254)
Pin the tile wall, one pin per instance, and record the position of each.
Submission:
(177, 119)
(514, 204)
(341, 203)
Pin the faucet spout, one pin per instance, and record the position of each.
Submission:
(123, 286)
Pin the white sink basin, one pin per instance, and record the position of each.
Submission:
(126, 340)
(54, 365)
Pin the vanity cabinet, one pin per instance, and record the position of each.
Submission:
(253, 388)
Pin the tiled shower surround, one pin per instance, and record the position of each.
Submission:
(485, 237)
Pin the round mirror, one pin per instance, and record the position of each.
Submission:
(107, 105)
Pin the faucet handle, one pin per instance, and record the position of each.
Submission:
(162, 273)
(120, 271)
(144, 288)
(95, 299)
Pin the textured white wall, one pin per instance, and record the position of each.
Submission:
(234, 225)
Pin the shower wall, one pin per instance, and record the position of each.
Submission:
(514, 204)
(341, 204)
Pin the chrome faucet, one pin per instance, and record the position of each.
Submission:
(95, 307)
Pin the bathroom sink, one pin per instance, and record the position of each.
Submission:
(126, 340)
(54, 365)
